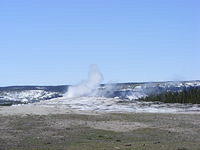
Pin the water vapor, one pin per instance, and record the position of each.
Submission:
(87, 87)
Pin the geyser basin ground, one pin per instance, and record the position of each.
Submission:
(90, 123)
(64, 105)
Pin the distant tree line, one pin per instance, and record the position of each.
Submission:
(188, 95)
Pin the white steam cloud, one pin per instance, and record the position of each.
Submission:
(87, 87)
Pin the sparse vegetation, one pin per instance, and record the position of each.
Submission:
(56, 132)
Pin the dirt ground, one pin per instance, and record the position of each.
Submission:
(133, 131)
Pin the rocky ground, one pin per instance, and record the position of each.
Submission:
(110, 131)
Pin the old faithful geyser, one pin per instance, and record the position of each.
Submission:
(88, 86)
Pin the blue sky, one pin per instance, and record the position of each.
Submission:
(52, 42)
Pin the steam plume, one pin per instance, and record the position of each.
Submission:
(87, 87)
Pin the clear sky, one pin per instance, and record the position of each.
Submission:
(51, 42)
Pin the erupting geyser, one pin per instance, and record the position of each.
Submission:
(87, 87)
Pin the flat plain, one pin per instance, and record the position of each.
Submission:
(104, 131)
